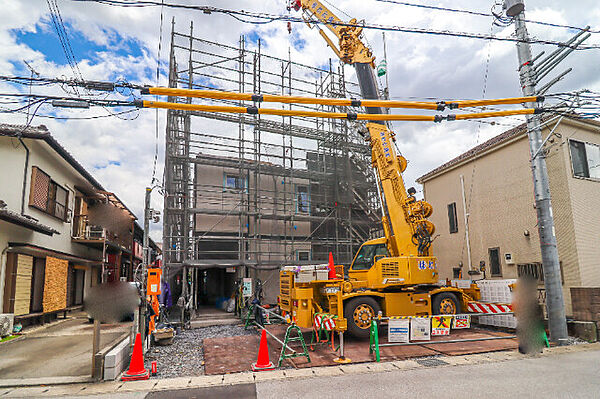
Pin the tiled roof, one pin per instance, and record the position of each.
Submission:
(24, 221)
(502, 137)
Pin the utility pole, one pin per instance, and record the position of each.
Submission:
(557, 322)
(145, 262)
(149, 214)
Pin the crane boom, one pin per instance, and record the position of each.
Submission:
(407, 231)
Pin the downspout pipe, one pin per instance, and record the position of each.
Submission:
(24, 175)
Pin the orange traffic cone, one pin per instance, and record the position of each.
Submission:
(263, 362)
(331, 275)
(136, 366)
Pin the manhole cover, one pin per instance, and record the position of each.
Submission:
(431, 362)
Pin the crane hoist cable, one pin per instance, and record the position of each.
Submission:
(252, 110)
(350, 102)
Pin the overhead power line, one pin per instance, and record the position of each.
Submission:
(481, 14)
(63, 37)
(265, 18)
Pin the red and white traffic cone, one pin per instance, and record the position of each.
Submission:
(136, 366)
(263, 362)
(331, 275)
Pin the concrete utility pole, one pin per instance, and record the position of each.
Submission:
(145, 262)
(554, 295)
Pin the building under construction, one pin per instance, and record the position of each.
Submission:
(247, 194)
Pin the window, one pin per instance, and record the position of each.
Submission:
(365, 258)
(495, 261)
(235, 182)
(303, 255)
(302, 199)
(47, 195)
(585, 159)
(452, 220)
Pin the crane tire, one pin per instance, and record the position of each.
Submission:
(445, 303)
(358, 312)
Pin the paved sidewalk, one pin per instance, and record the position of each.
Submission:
(270, 383)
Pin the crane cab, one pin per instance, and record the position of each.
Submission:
(374, 268)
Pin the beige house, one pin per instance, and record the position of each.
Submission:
(493, 181)
(61, 232)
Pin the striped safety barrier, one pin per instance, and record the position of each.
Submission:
(326, 320)
(489, 308)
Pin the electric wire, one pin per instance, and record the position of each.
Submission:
(156, 116)
(483, 14)
(264, 18)
(63, 38)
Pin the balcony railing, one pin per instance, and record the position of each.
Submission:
(83, 230)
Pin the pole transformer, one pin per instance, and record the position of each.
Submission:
(557, 322)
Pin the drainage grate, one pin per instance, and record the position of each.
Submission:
(431, 362)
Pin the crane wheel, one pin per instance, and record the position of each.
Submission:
(359, 312)
(445, 303)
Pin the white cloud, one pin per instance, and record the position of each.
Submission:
(419, 66)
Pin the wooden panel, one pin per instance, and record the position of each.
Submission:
(55, 284)
(38, 195)
(23, 284)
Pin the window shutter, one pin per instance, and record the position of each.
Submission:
(40, 182)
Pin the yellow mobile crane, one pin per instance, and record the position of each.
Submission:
(395, 274)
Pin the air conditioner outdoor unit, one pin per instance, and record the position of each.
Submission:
(6, 324)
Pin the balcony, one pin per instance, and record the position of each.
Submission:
(96, 236)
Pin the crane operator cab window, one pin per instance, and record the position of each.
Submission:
(365, 258)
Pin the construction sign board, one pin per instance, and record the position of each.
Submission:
(398, 330)
(463, 321)
(420, 329)
(247, 287)
(440, 325)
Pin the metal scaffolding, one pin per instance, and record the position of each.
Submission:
(290, 183)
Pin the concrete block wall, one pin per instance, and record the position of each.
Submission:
(116, 360)
(586, 303)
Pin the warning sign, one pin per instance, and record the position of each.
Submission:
(398, 330)
(440, 325)
(463, 321)
(420, 329)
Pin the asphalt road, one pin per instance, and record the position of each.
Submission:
(574, 375)
(62, 349)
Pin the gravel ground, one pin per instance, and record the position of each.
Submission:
(575, 341)
(185, 356)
